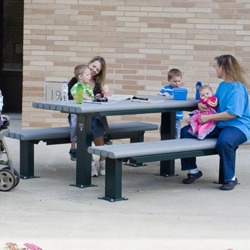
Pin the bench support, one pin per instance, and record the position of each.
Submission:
(167, 167)
(27, 156)
(27, 160)
(113, 180)
(113, 177)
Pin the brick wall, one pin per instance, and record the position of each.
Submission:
(140, 40)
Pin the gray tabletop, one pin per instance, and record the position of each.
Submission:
(155, 104)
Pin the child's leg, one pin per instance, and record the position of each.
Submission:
(205, 129)
(73, 136)
(73, 130)
(194, 123)
(177, 129)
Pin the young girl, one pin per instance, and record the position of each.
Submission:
(198, 129)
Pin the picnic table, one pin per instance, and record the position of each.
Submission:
(166, 106)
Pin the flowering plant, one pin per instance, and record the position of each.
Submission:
(26, 246)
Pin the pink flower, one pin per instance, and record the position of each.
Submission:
(31, 246)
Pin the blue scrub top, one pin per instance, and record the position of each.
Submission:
(233, 98)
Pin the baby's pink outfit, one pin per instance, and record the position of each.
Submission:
(201, 130)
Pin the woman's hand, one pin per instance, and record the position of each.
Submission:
(204, 118)
(98, 95)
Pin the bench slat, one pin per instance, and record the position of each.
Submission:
(39, 134)
(150, 148)
(64, 132)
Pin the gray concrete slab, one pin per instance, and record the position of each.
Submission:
(160, 213)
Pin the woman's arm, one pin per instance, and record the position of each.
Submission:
(217, 117)
(71, 83)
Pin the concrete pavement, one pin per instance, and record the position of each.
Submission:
(160, 213)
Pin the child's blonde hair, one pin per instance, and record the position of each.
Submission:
(79, 70)
(205, 87)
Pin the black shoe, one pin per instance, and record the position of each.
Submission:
(107, 140)
(229, 185)
(72, 154)
(192, 177)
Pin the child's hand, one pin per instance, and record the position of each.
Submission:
(203, 107)
(87, 97)
(187, 121)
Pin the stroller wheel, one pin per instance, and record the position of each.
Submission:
(7, 180)
(16, 174)
(17, 178)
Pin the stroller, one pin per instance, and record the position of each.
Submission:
(9, 177)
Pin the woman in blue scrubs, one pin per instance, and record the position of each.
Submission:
(233, 121)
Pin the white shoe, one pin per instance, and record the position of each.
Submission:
(94, 172)
(102, 168)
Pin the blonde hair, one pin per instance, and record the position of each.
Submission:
(79, 70)
(205, 87)
(233, 70)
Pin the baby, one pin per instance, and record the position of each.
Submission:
(207, 98)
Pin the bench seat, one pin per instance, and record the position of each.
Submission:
(117, 131)
(51, 136)
(119, 151)
(148, 152)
